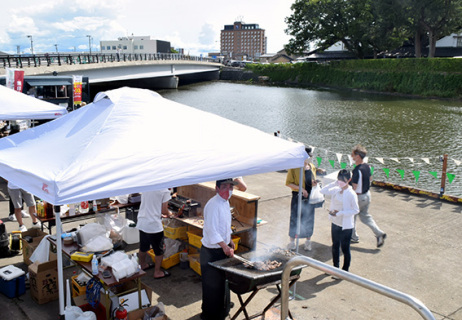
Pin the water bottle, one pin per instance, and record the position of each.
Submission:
(94, 266)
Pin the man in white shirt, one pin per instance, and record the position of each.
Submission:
(154, 206)
(216, 245)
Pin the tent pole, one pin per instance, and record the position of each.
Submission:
(299, 217)
(59, 252)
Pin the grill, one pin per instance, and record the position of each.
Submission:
(184, 206)
(243, 280)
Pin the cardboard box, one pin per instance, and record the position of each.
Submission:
(28, 248)
(43, 280)
(139, 314)
(132, 297)
(99, 310)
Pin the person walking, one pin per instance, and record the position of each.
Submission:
(342, 210)
(17, 195)
(307, 212)
(361, 183)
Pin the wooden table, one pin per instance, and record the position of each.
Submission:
(107, 283)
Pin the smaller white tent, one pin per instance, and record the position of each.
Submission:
(18, 106)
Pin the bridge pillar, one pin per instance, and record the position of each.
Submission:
(167, 82)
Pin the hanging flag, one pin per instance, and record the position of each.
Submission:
(457, 162)
(450, 177)
(339, 157)
(387, 172)
(366, 159)
(411, 159)
(416, 175)
(426, 160)
(319, 160)
(395, 159)
(343, 165)
(380, 160)
(401, 172)
(350, 159)
(372, 171)
(433, 173)
(332, 163)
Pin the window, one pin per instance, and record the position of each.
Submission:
(459, 42)
(108, 47)
(125, 47)
(141, 47)
(113, 47)
(136, 47)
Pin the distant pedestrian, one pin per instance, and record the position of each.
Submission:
(361, 183)
(343, 208)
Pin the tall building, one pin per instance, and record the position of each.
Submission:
(134, 45)
(242, 41)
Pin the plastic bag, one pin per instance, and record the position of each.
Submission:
(42, 252)
(98, 244)
(315, 195)
(171, 247)
(90, 231)
(87, 315)
(113, 258)
(125, 268)
(72, 313)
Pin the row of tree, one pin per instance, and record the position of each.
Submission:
(367, 27)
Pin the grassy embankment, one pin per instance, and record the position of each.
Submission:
(438, 77)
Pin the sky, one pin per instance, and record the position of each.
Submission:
(192, 25)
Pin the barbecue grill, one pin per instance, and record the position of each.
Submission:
(184, 206)
(243, 280)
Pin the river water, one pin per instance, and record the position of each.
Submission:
(399, 133)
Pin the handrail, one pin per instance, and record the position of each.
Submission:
(38, 60)
(368, 284)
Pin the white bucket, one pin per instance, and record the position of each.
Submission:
(131, 235)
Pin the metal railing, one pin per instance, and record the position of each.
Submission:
(368, 284)
(42, 60)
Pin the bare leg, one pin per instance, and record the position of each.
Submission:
(18, 214)
(142, 260)
(157, 272)
(33, 214)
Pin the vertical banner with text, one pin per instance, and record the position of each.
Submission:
(15, 79)
(77, 90)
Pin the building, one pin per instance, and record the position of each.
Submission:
(134, 45)
(242, 41)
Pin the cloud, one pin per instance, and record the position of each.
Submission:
(207, 35)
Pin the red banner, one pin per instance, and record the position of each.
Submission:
(18, 80)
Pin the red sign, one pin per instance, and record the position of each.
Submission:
(18, 80)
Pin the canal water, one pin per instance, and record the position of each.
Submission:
(404, 137)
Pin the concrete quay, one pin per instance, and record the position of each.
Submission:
(421, 257)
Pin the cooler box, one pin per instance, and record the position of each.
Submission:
(12, 281)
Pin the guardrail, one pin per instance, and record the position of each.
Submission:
(41, 60)
(368, 284)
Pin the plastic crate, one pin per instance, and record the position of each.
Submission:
(195, 237)
(169, 262)
(175, 233)
(77, 289)
(194, 263)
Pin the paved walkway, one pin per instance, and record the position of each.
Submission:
(422, 256)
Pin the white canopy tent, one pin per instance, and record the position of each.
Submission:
(15, 105)
(133, 140)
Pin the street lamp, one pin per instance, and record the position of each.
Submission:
(89, 42)
(31, 44)
(56, 45)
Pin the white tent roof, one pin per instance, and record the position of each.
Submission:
(18, 106)
(133, 140)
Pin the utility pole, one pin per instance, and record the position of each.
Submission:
(89, 42)
(31, 44)
(56, 46)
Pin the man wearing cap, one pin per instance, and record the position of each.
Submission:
(216, 245)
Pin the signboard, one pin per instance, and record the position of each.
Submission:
(15, 79)
(77, 90)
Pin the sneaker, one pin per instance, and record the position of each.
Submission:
(36, 225)
(291, 246)
(12, 217)
(381, 240)
(307, 245)
(335, 278)
(22, 228)
(25, 214)
(354, 240)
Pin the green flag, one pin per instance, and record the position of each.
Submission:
(387, 172)
(343, 165)
(416, 175)
(332, 163)
(401, 172)
(372, 170)
(433, 173)
(319, 160)
(450, 177)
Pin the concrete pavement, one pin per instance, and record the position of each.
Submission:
(421, 257)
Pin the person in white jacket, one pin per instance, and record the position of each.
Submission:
(343, 208)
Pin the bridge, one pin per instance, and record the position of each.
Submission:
(159, 70)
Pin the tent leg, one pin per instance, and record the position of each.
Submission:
(299, 217)
(59, 253)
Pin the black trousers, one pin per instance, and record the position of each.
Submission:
(215, 292)
(341, 239)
